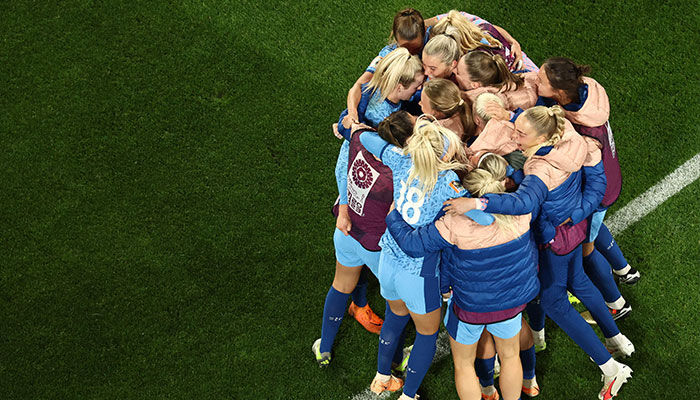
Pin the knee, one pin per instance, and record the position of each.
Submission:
(343, 286)
(428, 330)
(509, 352)
(508, 349)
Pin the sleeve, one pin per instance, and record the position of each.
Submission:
(594, 185)
(480, 217)
(527, 199)
(361, 110)
(518, 176)
(341, 172)
(374, 144)
(372, 67)
(543, 229)
(345, 132)
(415, 242)
(445, 277)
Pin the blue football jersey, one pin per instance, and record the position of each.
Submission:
(416, 210)
(378, 110)
(372, 67)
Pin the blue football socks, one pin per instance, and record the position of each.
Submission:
(333, 312)
(421, 357)
(598, 270)
(359, 295)
(535, 314)
(607, 246)
(528, 360)
(389, 339)
(484, 370)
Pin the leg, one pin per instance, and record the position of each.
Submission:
(359, 309)
(528, 360)
(506, 335)
(598, 270)
(390, 336)
(345, 278)
(511, 380)
(484, 363)
(581, 286)
(607, 246)
(423, 350)
(334, 307)
(465, 376)
(553, 278)
(536, 315)
(359, 294)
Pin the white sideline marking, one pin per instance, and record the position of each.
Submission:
(654, 196)
(617, 223)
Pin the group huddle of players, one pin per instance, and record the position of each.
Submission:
(470, 176)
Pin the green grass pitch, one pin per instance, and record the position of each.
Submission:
(167, 177)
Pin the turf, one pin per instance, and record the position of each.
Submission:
(167, 177)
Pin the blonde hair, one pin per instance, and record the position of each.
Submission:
(488, 178)
(444, 96)
(444, 47)
(397, 67)
(549, 121)
(433, 148)
(469, 35)
(480, 105)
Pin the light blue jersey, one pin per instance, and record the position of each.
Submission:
(416, 211)
(378, 110)
(372, 67)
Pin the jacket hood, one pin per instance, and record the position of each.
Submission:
(569, 153)
(595, 110)
(454, 123)
(495, 138)
(466, 234)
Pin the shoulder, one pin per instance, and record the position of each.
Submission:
(387, 49)
(593, 156)
(541, 168)
(393, 157)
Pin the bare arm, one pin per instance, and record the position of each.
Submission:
(514, 47)
(354, 96)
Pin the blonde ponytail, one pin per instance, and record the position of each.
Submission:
(433, 148)
(444, 47)
(549, 121)
(489, 177)
(469, 36)
(397, 67)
